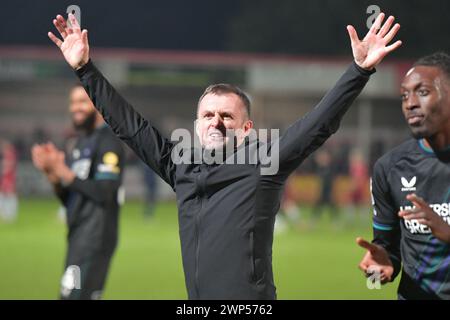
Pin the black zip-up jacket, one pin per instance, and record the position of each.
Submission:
(226, 212)
(91, 200)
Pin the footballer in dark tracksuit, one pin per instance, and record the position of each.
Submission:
(92, 203)
(87, 179)
(411, 190)
(226, 212)
(413, 168)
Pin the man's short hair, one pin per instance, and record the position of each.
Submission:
(439, 60)
(224, 88)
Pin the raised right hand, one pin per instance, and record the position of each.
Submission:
(75, 46)
(369, 51)
(376, 258)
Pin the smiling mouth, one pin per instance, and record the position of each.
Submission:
(216, 136)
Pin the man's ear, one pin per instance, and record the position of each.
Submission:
(248, 125)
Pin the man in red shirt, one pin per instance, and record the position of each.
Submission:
(8, 167)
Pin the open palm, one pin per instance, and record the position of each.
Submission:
(75, 46)
(374, 47)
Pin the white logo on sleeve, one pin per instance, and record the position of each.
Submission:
(409, 185)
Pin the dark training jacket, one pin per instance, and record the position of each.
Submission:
(226, 212)
(423, 259)
(91, 200)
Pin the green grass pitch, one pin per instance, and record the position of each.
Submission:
(317, 263)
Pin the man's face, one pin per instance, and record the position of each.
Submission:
(425, 93)
(81, 109)
(218, 113)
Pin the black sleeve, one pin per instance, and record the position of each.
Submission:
(105, 178)
(386, 224)
(128, 124)
(61, 192)
(103, 192)
(311, 131)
